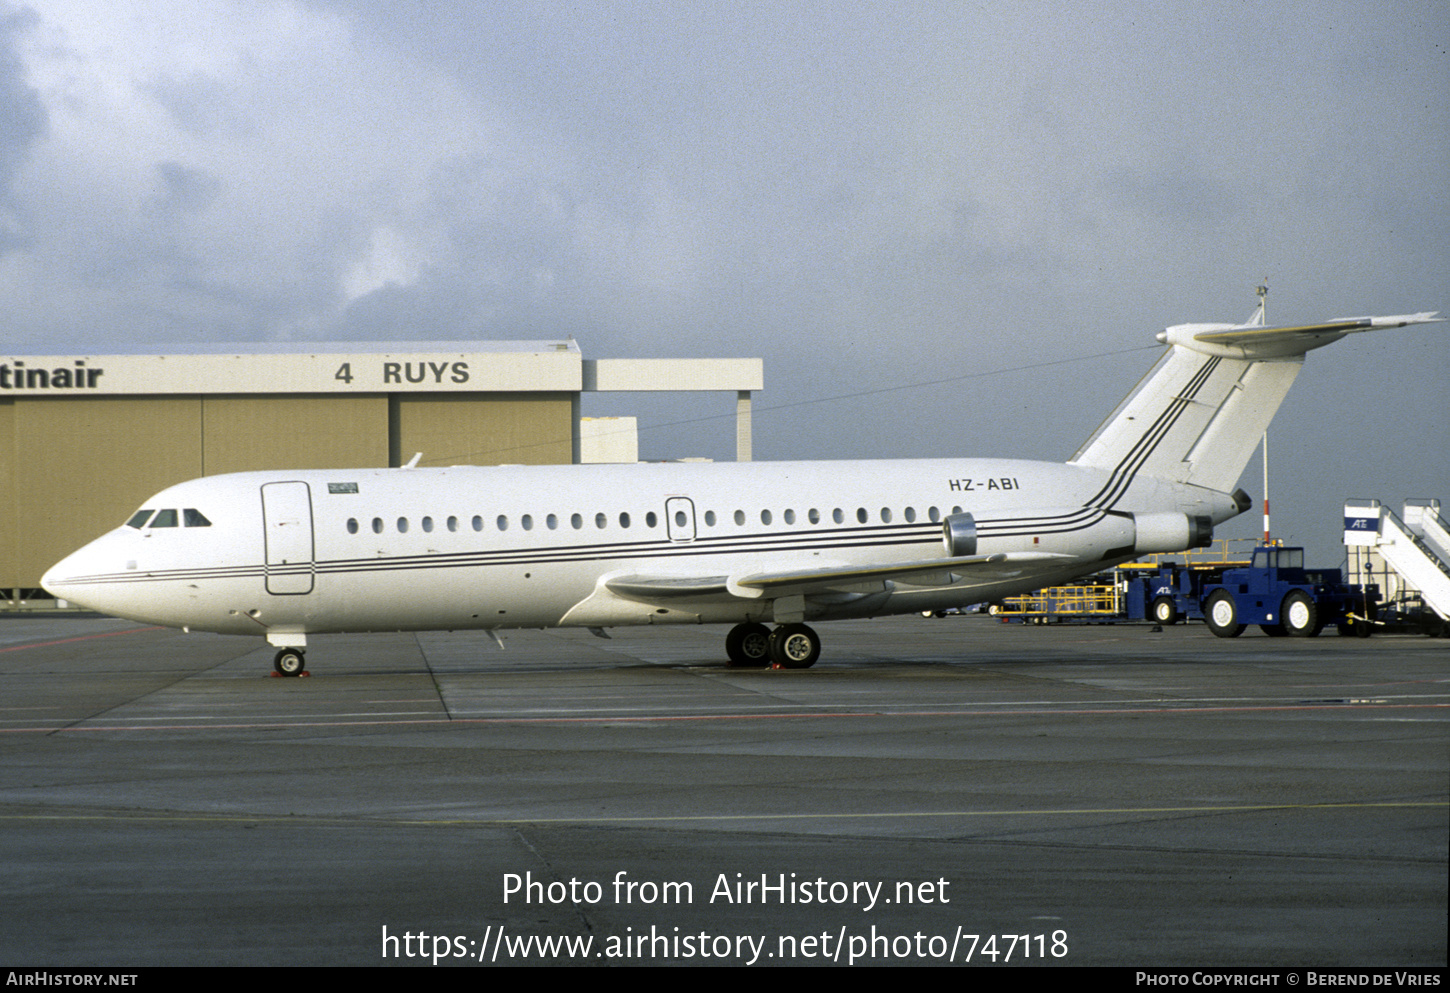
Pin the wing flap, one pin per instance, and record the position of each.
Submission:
(647, 589)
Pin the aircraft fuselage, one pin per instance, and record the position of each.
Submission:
(536, 546)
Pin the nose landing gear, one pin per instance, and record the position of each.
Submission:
(290, 662)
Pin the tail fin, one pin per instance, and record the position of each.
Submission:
(1198, 415)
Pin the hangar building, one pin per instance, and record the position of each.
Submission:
(85, 438)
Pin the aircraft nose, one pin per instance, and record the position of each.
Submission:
(57, 579)
(67, 579)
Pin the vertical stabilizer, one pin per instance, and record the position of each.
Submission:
(1199, 414)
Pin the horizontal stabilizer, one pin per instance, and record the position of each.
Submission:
(1257, 342)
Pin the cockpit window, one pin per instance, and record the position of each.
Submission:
(139, 519)
(164, 519)
(194, 518)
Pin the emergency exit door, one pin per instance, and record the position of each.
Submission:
(680, 518)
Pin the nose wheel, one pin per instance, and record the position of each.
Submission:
(290, 662)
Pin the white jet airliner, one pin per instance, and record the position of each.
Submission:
(285, 555)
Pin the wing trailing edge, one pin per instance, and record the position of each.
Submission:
(840, 579)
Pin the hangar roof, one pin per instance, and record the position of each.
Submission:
(366, 367)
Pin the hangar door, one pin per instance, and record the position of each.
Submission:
(287, 529)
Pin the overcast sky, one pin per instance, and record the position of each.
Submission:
(870, 196)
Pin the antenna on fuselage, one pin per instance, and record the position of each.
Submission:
(413, 462)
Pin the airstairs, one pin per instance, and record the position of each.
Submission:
(1423, 519)
(1417, 548)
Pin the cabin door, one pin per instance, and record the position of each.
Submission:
(287, 532)
(680, 518)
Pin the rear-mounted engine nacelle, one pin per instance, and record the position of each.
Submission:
(1078, 531)
(959, 533)
(1170, 531)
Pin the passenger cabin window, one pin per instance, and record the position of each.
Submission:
(139, 519)
(352, 525)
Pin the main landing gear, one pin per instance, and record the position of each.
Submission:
(790, 646)
(290, 662)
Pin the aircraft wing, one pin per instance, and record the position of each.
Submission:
(841, 579)
(925, 572)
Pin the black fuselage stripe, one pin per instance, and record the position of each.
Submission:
(916, 535)
(728, 544)
(842, 539)
(514, 557)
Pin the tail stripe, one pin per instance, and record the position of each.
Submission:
(1123, 473)
(1122, 476)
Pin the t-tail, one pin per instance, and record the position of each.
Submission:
(1200, 412)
